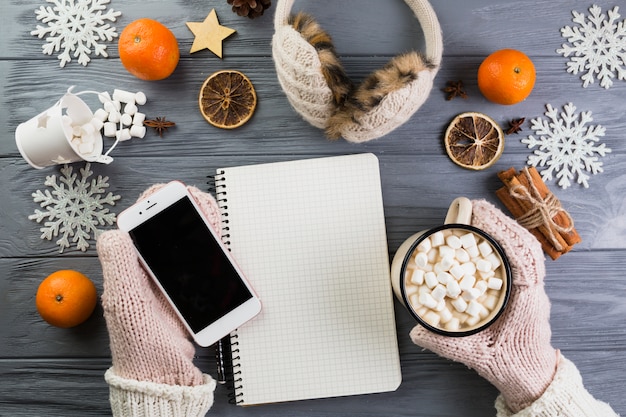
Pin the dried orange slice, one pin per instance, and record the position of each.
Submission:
(474, 140)
(227, 99)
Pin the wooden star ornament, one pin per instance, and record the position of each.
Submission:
(209, 34)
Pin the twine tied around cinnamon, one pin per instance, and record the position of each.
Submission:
(543, 210)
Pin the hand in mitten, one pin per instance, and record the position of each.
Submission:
(514, 353)
(148, 342)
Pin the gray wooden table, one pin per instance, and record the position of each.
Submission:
(50, 371)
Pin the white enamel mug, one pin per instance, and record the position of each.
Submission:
(457, 222)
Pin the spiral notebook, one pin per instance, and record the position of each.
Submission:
(310, 237)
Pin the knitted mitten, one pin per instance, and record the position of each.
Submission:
(514, 353)
(148, 342)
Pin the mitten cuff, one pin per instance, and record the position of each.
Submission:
(565, 396)
(132, 398)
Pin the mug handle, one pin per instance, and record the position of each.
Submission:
(460, 211)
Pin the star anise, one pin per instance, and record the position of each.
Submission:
(515, 125)
(455, 89)
(160, 124)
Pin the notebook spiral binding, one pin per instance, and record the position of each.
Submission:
(217, 186)
(236, 382)
(233, 372)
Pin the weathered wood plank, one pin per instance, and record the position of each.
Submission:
(275, 128)
(412, 191)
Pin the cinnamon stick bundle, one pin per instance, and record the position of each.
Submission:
(534, 206)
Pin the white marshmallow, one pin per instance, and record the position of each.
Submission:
(447, 262)
(424, 245)
(485, 248)
(138, 118)
(439, 292)
(126, 119)
(483, 265)
(461, 255)
(437, 239)
(411, 289)
(490, 301)
(130, 109)
(114, 116)
(472, 321)
(421, 259)
(453, 289)
(473, 308)
(459, 304)
(481, 286)
(432, 318)
(101, 115)
(140, 98)
(469, 268)
(471, 294)
(457, 271)
(123, 134)
(467, 282)
(453, 325)
(446, 251)
(444, 278)
(472, 251)
(96, 123)
(137, 131)
(468, 240)
(446, 315)
(430, 278)
(454, 242)
(494, 259)
(417, 277)
(494, 283)
(110, 129)
(123, 96)
(104, 97)
(427, 300)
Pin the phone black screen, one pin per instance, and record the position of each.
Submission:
(190, 265)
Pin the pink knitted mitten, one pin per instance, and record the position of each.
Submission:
(514, 353)
(148, 341)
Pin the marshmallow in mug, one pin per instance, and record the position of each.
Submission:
(454, 280)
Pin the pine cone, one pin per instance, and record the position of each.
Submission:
(250, 8)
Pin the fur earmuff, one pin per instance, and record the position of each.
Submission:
(331, 68)
(396, 74)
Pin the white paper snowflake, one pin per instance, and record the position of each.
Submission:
(75, 207)
(75, 27)
(566, 146)
(598, 46)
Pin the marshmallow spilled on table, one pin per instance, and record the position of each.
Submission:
(454, 280)
(122, 122)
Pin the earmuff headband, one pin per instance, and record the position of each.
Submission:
(316, 85)
(421, 8)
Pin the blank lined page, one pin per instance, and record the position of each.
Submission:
(310, 237)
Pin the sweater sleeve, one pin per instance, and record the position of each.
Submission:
(132, 398)
(566, 396)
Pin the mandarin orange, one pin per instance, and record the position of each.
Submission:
(148, 49)
(66, 298)
(506, 76)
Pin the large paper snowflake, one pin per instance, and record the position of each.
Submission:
(75, 27)
(598, 46)
(566, 146)
(75, 207)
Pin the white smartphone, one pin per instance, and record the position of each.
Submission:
(188, 261)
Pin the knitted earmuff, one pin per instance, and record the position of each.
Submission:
(318, 88)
